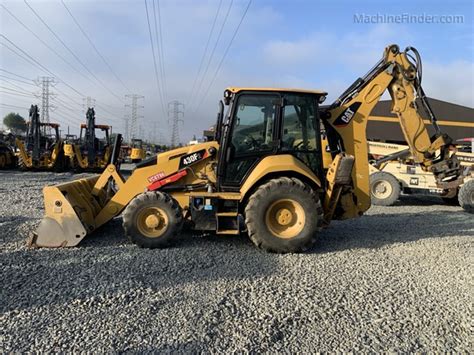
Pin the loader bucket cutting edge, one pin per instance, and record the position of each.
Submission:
(70, 209)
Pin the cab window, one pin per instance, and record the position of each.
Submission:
(300, 125)
(254, 124)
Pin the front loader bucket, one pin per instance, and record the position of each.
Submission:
(70, 209)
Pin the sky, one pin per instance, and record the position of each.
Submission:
(298, 44)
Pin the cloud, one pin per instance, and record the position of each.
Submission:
(263, 54)
(353, 54)
(452, 81)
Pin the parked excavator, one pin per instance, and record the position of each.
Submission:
(88, 152)
(40, 150)
(262, 173)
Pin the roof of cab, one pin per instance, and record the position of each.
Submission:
(235, 90)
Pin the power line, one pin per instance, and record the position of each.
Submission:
(21, 92)
(16, 94)
(225, 54)
(17, 80)
(43, 42)
(162, 55)
(25, 56)
(35, 63)
(14, 106)
(11, 73)
(13, 84)
(94, 47)
(191, 94)
(154, 58)
(160, 61)
(72, 53)
(40, 65)
(214, 48)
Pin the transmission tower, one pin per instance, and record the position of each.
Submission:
(126, 123)
(88, 102)
(134, 116)
(175, 111)
(45, 83)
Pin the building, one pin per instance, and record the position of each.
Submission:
(455, 120)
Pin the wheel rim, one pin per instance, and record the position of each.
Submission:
(285, 218)
(152, 222)
(381, 189)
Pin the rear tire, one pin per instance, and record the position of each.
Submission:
(466, 196)
(152, 220)
(384, 189)
(284, 215)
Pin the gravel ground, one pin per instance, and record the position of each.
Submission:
(398, 279)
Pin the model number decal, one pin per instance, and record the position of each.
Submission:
(192, 158)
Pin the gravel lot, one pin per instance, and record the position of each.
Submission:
(398, 279)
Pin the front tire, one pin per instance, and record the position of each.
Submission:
(152, 220)
(284, 216)
(384, 189)
(466, 196)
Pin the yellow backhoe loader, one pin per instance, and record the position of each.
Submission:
(40, 150)
(263, 173)
(137, 151)
(88, 152)
(7, 156)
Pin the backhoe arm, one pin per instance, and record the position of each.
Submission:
(346, 121)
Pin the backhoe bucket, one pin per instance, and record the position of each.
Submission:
(70, 209)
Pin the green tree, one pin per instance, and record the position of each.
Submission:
(15, 122)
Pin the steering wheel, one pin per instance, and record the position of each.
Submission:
(297, 147)
(251, 141)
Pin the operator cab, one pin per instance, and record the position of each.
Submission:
(267, 122)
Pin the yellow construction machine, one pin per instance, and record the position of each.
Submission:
(393, 171)
(263, 173)
(137, 151)
(7, 156)
(40, 150)
(88, 152)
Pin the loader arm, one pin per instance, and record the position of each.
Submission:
(346, 122)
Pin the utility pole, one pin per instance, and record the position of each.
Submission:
(45, 83)
(134, 116)
(174, 114)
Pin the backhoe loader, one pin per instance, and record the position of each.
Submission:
(7, 156)
(40, 150)
(137, 151)
(88, 152)
(262, 173)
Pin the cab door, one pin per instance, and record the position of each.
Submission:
(300, 130)
(252, 135)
